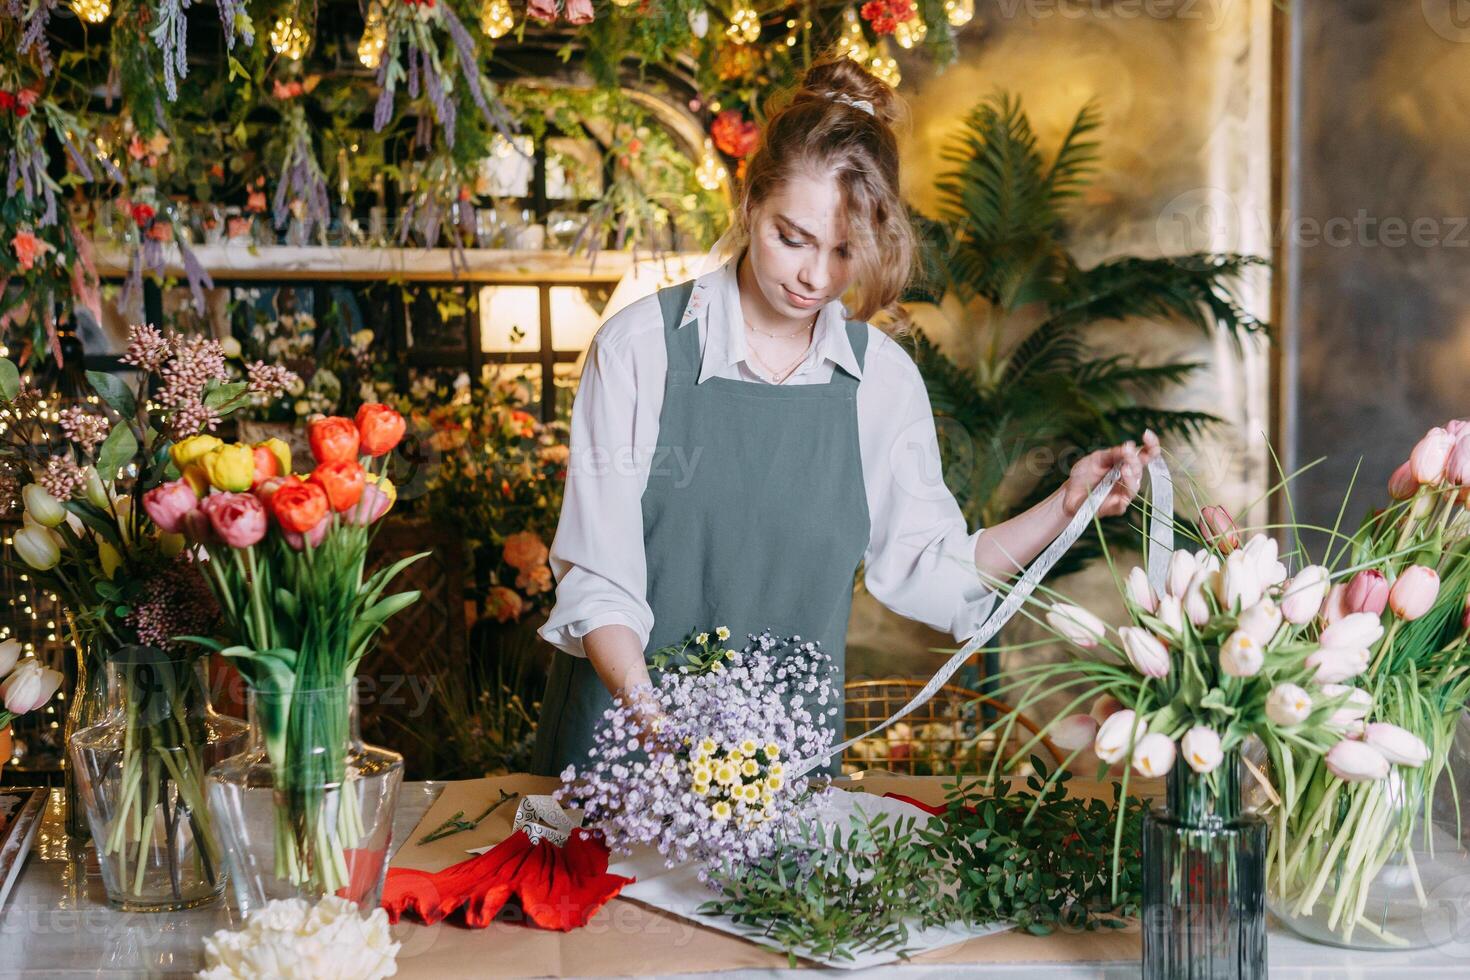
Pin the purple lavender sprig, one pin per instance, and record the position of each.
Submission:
(171, 36)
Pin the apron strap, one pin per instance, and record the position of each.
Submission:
(681, 345)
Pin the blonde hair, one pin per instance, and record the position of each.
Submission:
(814, 132)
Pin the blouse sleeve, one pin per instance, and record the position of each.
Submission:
(597, 555)
(920, 560)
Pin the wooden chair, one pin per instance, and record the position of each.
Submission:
(941, 737)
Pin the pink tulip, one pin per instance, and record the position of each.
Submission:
(1302, 597)
(1457, 469)
(29, 686)
(1182, 566)
(1359, 702)
(1261, 621)
(167, 504)
(315, 536)
(1140, 591)
(1414, 592)
(1430, 457)
(1402, 485)
(1171, 613)
(1353, 631)
(1356, 762)
(373, 505)
(1465, 616)
(1398, 745)
(1367, 592)
(542, 10)
(1457, 427)
(1220, 529)
(1074, 732)
(578, 11)
(196, 527)
(1147, 655)
(237, 519)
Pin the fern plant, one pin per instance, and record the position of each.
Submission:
(1000, 246)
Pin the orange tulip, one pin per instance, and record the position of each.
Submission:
(266, 465)
(333, 439)
(342, 482)
(299, 507)
(381, 428)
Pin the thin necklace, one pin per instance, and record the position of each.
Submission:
(782, 336)
(780, 376)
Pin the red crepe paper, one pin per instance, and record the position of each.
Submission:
(927, 808)
(558, 887)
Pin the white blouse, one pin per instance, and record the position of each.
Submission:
(920, 557)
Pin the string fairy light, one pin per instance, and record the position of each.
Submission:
(710, 173)
(851, 43)
(92, 11)
(496, 19)
(288, 38)
(959, 12)
(884, 66)
(745, 24)
(374, 37)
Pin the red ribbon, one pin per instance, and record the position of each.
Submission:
(557, 887)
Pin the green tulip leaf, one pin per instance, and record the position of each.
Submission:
(221, 394)
(116, 451)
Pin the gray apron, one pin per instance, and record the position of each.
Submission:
(754, 516)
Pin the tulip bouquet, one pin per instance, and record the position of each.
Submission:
(126, 582)
(287, 558)
(1403, 598)
(1231, 649)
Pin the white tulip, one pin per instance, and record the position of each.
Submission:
(1288, 705)
(1182, 566)
(1302, 598)
(1117, 735)
(1261, 551)
(1398, 745)
(1196, 600)
(96, 491)
(1333, 665)
(37, 547)
(1074, 732)
(29, 686)
(1239, 585)
(1076, 624)
(1171, 613)
(1353, 631)
(1241, 655)
(1202, 749)
(10, 652)
(43, 507)
(1145, 652)
(1154, 756)
(1140, 591)
(1355, 708)
(1261, 621)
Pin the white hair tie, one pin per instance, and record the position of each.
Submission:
(862, 104)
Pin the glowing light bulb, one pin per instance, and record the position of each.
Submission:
(92, 11)
(374, 38)
(910, 32)
(745, 24)
(851, 43)
(289, 39)
(710, 173)
(884, 66)
(959, 12)
(496, 19)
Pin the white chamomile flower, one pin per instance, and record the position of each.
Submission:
(723, 633)
(702, 639)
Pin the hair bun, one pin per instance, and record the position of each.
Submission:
(844, 80)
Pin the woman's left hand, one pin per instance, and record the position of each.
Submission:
(1089, 471)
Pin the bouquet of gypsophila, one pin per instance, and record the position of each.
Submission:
(710, 784)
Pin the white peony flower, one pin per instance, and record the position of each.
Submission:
(289, 939)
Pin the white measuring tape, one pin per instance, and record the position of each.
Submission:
(1161, 547)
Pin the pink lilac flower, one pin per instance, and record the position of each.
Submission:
(63, 477)
(176, 602)
(147, 347)
(269, 379)
(196, 361)
(83, 428)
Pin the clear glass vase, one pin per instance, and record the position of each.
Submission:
(307, 809)
(1378, 865)
(1204, 907)
(140, 774)
(87, 704)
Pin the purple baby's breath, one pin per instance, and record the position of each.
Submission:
(678, 795)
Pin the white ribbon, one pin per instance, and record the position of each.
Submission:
(1161, 547)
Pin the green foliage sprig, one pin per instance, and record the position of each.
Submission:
(1035, 857)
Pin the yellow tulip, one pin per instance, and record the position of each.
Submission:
(110, 557)
(230, 468)
(197, 479)
(191, 449)
(280, 451)
(386, 485)
(170, 544)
